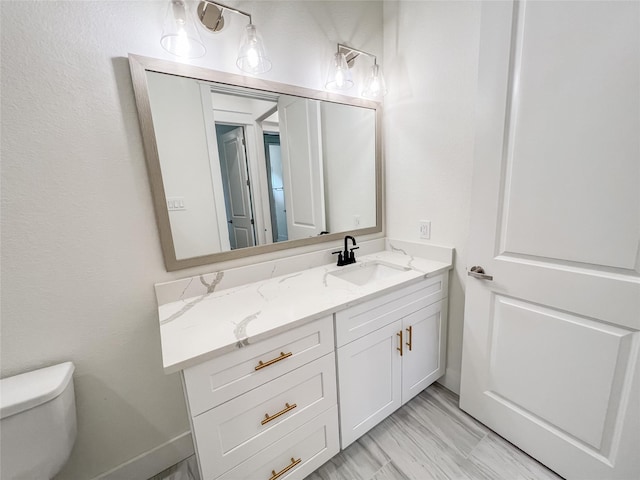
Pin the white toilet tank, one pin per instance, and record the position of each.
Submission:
(37, 422)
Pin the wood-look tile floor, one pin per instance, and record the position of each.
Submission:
(428, 438)
(431, 438)
(185, 470)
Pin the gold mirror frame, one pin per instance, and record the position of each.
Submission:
(140, 65)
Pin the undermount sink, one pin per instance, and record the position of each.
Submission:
(364, 273)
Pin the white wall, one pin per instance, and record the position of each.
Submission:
(80, 249)
(430, 64)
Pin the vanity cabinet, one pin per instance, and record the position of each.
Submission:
(266, 408)
(389, 350)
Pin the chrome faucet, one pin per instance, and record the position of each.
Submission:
(347, 257)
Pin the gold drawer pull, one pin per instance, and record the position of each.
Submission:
(400, 347)
(410, 330)
(274, 360)
(286, 409)
(293, 463)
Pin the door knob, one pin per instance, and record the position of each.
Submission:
(478, 272)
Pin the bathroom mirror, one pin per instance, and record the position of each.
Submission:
(240, 166)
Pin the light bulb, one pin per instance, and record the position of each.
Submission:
(339, 76)
(375, 86)
(252, 56)
(179, 35)
(182, 43)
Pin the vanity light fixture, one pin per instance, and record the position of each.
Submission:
(179, 34)
(340, 78)
(374, 85)
(252, 55)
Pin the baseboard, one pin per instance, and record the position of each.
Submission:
(451, 380)
(154, 461)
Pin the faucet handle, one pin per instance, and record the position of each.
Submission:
(352, 256)
(340, 259)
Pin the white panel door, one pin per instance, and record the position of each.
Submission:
(233, 160)
(301, 152)
(550, 354)
(369, 381)
(424, 352)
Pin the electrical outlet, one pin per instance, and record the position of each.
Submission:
(424, 227)
(356, 221)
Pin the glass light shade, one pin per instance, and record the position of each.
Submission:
(179, 34)
(339, 76)
(374, 85)
(252, 56)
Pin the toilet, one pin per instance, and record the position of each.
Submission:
(37, 422)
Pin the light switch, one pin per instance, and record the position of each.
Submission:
(175, 203)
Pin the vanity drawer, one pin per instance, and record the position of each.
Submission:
(221, 379)
(301, 451)
(355, 322)
(231, 433)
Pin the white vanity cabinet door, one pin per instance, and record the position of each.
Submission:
(298, 454)
(424, 353)
(375, 377)
(369, 380)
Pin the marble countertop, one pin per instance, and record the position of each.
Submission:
(199, 328)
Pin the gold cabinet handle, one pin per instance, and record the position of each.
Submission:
(282, 356)
(410, 330)
(293, 463)
(286, 409)
(400, 347)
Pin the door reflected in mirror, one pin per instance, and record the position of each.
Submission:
(276, 187)
(245, 167)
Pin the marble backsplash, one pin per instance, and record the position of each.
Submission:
(220, 280)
